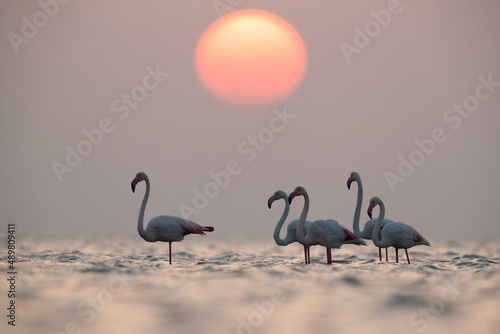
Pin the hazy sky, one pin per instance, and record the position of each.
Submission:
(363, 104)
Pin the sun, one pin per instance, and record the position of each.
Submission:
(251, 59)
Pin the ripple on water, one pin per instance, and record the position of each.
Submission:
(352, 280)
(406, 300)
(214, 288)
(68, 257)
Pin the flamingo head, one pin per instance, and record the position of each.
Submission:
(277, 195)
(141, 176)
(374, 201)
(354, 177)
(299, 191)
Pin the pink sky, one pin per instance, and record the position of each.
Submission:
(424, 79)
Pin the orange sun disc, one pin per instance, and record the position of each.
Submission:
(251, 59)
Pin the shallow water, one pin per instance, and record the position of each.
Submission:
(125, 285)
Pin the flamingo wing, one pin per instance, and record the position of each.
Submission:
(164, 228)
(350, 237)
(327, 233)
(172, 228)
(188, 226)
(403, 235)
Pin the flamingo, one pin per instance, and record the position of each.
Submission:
(291, 231)
(397, 235)
(367, 231)
(327, 233)
(164, 228)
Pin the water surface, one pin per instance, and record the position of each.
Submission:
(236, 285)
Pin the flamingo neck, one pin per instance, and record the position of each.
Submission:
(140, 222)
(380, 242)
(301, 231)
(357, 211)
(289, 238)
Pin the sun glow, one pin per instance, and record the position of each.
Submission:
(251, 59)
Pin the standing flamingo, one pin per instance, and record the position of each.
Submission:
(397, 235)
(164, 228)
(328, 233)
(291, 231)
(367, 231)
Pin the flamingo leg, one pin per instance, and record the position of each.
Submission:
(386, 256)
(328, 255)
(307, 255)
(170, 252)
(397, 260)
(406, 251)
(380, 254)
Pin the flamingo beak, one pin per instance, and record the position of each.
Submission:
(134, 183)
(349, 181)
(270, 201)
(370, 209)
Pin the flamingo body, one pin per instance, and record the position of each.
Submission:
(171, 228)
(329, 233)
(401, 235)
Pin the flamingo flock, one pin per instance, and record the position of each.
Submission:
(328, 233)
